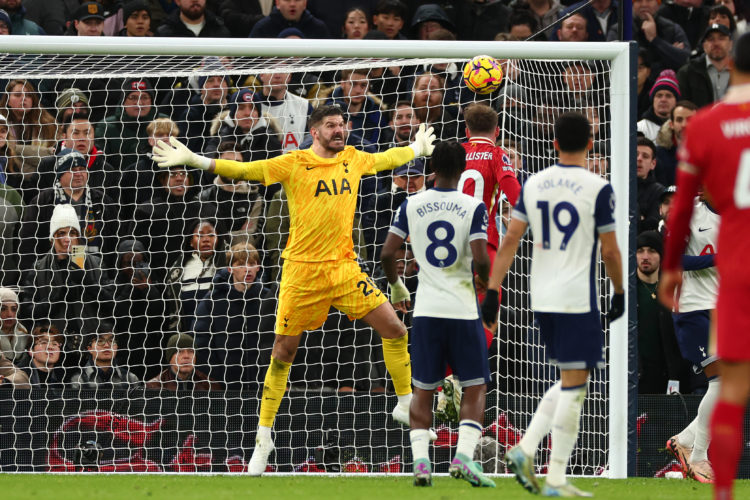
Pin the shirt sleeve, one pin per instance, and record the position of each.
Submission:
(519, 210)
(479, 223)
(265, 171)
(510, 186)
(400, 226)
(604, 210)
(394, 157)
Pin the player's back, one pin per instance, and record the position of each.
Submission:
(486, 165)
(717, 143)
(441, 224)
(566, 208)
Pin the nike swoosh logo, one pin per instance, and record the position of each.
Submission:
(309, 168)
(701, 229)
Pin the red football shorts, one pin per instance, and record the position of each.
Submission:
(733, 322)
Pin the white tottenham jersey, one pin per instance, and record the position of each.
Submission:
(699, 287)
(291, 115)
(566, 207)
(441, 224)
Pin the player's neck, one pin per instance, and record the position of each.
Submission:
(444, 183)
(319, 150)
(578, 158)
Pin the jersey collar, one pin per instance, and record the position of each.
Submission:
(563, 165)
(482, 140)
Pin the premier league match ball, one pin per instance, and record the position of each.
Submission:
(483, 74)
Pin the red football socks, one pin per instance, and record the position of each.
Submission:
(726, 446)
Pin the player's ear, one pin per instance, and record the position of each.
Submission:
(497, 132)
(590, 144)
(557, 145)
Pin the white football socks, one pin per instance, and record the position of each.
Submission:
(469, 432)
(541, 422)
(405, 399)
(263, 432)
(703, 420)
(565, 431)
(420, 443)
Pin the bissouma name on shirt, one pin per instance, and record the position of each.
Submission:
(441, 206)
(560, 183)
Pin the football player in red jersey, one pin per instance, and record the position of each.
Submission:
(489, 173)
(716, 152)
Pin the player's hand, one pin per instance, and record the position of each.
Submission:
(668, 284)
(400, 296)
(480, 284)
(423, 140)
(176, 153)
(616, 306)
(490, 306)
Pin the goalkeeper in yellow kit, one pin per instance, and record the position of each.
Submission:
(320, 269)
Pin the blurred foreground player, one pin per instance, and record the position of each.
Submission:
(716, 153)
(320, 269)
(448, 232)
(570, 212)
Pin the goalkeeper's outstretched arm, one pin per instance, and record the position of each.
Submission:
(176, 153)
(395, 157)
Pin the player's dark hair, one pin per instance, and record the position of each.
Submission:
(683, 104)
(480, 118)
(572, 131)
(645, 141)
(448, 159)
(742, 53)
(322, 112)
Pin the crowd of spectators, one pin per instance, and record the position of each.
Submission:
(117, 274)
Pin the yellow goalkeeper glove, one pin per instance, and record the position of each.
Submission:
(423, 139)
(176, 153)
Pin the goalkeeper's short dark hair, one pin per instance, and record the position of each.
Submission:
(448, 159)
(572, 131)
(322, 112)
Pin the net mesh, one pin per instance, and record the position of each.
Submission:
(151, 262)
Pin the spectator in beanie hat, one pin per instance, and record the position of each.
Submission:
(136, 16)
(181, 374)
(664, 95)
(122, 135)
(202, 107)
(6, 27)
(70, 101)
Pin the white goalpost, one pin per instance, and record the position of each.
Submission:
(335, 418)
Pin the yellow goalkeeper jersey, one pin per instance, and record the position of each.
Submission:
(322, 195)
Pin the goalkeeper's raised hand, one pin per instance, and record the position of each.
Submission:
(423, 140)
(176, 153)
(400, 296)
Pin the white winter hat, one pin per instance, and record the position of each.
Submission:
(63, 216)
(8, 295)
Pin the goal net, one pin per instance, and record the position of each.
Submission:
(138, 304)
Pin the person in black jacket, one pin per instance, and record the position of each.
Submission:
(163, 223)
(65, 287)
(691, 15)
(234, 330)
(696, 82)
(193, 19)
(141, 311)
(256, 135)
(289, 14)
(203, 106)
(98, 213)
(240, 16)
(45, 376)
(649, 191)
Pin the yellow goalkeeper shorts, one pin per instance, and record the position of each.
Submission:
(309, 289)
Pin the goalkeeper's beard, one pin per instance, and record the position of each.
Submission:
(326, 144)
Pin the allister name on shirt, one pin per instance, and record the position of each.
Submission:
(445, 206)
(479, 155)
(736, 128)
(560, 183)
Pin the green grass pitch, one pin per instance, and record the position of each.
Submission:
(130, 487)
